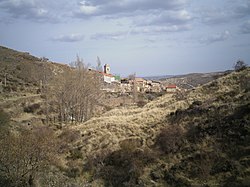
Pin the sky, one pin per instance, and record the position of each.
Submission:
(146, 37)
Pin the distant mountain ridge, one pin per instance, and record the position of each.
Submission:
(187, 81)
(157, 78)
(193, 80)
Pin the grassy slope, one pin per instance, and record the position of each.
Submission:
(220, 103)
(144, 123)
(120, 124)
(24, 73)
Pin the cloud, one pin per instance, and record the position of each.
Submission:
(227, 12)
(214, 15)
(245, 27)
(87, 9)
(242, 10)
(109, 36)
(69, 38)
(24, 8)
(35, 10)
(242, 45)
(148, 30)
(109, 7)
(152, 30)
(216, 38)
(145, 16)
(164, 18)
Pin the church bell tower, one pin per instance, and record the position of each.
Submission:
(107, 69)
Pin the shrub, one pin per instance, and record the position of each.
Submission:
(68, 137)
(4, 118)
(31, 108)
(75, 154)
(73, 172)
(24, 154)
(240, 65)
(193, 134)
(141, 103)
(125, 166)
(170, 139)
(195, 104)
(18, 67)
(4, 121)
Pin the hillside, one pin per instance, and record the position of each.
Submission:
(139, 120)
(21, 78)
(195, 138)
(24, 72)
(193, 80)
(200, 138)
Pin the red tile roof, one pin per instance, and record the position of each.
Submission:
(171, 86)
(105, 74)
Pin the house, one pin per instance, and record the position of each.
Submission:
(140, 84)
(156, 86)
(108, 78)
(171, 88)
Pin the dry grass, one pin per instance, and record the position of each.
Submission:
(107, 131)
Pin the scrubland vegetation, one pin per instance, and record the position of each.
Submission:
(195, 138)
(201, 138)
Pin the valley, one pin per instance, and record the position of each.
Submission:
(61, 126)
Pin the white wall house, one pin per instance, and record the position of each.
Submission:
(108, 78)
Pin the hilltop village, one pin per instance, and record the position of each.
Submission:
(116, 84)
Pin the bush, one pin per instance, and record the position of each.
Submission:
(4, 121)
(18, 67)
(4, 118)
(31, 108)
(28, 152)
(195, 104)
(73, 172)
(141, 103)
(75, 154)
(170, 139)
(125, 166)
(240, 65)
(69, 135)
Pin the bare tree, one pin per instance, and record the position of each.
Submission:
(76, 93)
(132, 77)
(99, 64)
(24, 154)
